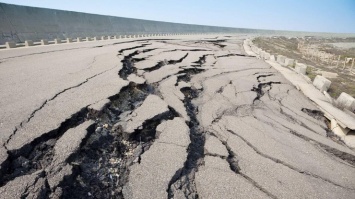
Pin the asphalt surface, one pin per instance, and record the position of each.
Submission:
(172, 117)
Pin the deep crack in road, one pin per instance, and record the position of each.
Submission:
(162, 118)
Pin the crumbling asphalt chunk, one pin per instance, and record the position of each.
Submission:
(314, 113)
(38, 154)
(262, 88)
(101, 167)
(132, 48)
(166, 155)
(151, 107)
(165, 62)
(143, 143)
(183, 180)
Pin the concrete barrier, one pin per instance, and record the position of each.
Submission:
(10, 44)
(69, 40)
(261, 53)
(44, 42)
(28, 43)
(301, 68)
(57, 41)
(266, 56)
(103, 37)
(79, 39)
(281, 59)
(96, 39)
(321, 83)
(272, 58)
(20, 23)
(289, 62)
(346, 101)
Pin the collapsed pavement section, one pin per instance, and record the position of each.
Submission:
(185, 117)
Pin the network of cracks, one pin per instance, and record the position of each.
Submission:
(100, 167)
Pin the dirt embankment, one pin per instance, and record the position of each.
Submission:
(322, 57)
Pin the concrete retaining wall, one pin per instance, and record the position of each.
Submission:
(20, 23)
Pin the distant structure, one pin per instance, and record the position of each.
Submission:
(20, 23)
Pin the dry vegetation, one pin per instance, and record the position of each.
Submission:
(344, 82)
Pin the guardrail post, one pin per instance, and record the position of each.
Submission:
(28, 43)
(57, 41)
(10, 44)
(44, 42)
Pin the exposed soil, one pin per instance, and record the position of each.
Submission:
(345, 82)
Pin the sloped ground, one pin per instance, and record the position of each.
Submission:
(186, 117)
(342, 79)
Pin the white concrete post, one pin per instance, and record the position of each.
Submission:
(344, 63)
(10, 44)
(301, 68)
(44, 42)
(28, 43)
(57, 41)
(69, 40)
(338, 61)
(79, 39)
(96, 38)
(103, 37)
(321, 83)
(88, 39)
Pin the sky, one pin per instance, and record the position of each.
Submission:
(300, 15)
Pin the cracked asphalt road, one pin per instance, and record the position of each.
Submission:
(183, 117)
